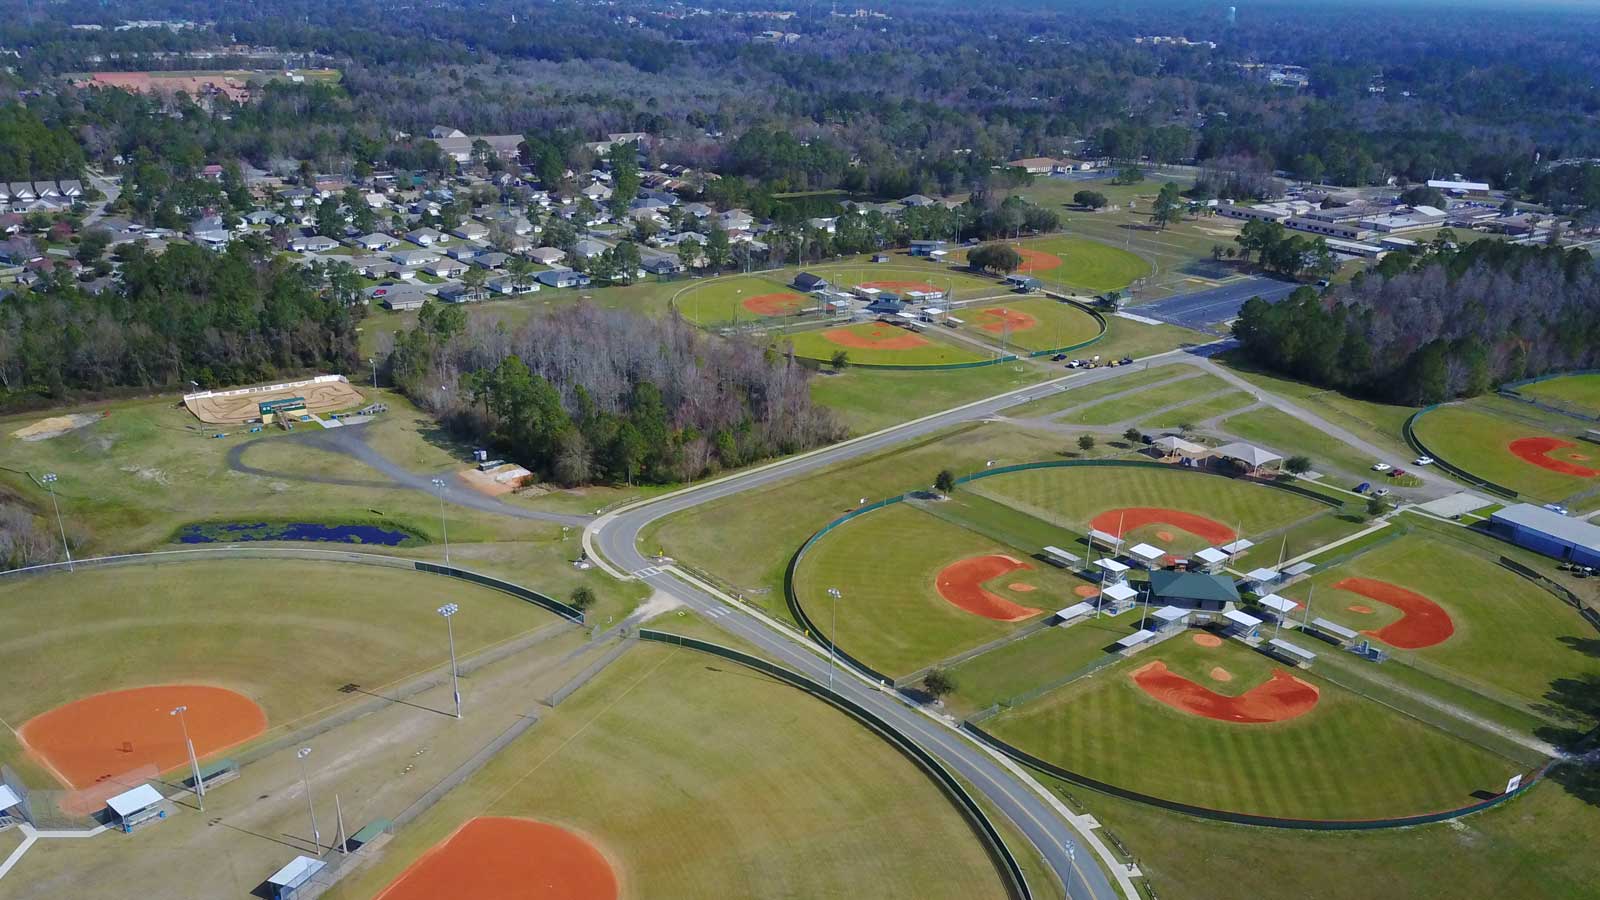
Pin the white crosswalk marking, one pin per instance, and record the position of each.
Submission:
(647, 571)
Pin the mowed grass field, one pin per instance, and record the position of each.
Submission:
(1070, 497)
(1511, 636)
(1075, 264)
(701, 778)
(1139, 404)
(1347, 757)
(880, 344)
(1579, 393)
(723, 301)
(1036, 661)
(285, 633)
(958, 280)
(890, 614)
(1475, 437)
(1037, 323)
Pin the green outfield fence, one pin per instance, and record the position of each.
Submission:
(1408, 430)
(1241, 818)
(1005, 862)
(1511, 389)
(798, 611)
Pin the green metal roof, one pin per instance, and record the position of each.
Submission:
(1165, 584)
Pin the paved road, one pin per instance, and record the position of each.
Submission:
(614, 539)
(1204, 310)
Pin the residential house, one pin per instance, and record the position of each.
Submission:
(589, 248)
(516, 243)
(314, 244)
(445, 268)
(829, 224)
(491, 260)
(698, 210)
(427, 237)
(505, 284)
(297, 197)
(735, 220)
(464, 252)
(548, 256)
(596, 192)
(563, 278)
(398, 296)
(410, 257)
(263, 217)
(1034, 165)
(917, 200)
(71, 188)
(471, 231)
(377, 241)
(660, 264)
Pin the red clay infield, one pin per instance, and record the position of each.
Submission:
(1278, 699)
(1121, 521)
(1538, 450)
(1037, 261)
(109, 734)
(961, 583)
(502, 858)
(780, 304)
(900, 287)
(880, 337)
(1422, 622)
(996, 320)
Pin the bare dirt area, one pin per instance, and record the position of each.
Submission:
(240, 406)
(55, 426)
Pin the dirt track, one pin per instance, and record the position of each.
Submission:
(237, 409)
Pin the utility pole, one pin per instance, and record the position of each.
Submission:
(447, 611)
(49, 480)
(833, 635)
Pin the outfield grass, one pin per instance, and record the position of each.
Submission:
(1346, 758)
(891, 616)
(1082, 396)
(1199, 411)
(932, 348)
(1070, 497)
(722, 301)
(1580, 393)
(1276, 429)
(681, 742)
(285, 633)
(1379, 423)
(1511, 636)
(1056, 324)
(1145, 402)
(868, 400)
(1034, 662)
(1087, 266)
(1472, 438)
(1524, 848)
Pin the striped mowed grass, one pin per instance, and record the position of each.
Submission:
(1347, 758)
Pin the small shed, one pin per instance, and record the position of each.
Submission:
(1147, 555)
(1121, 595)
(287, 881)
(137, 807)
(1280, 607)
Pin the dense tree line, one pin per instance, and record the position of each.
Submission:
(30, 149)
(1439, 324)
(585, 395)
(186, 315)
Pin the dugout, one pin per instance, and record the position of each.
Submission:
(288, 881)
(10, 804)
(140, 806)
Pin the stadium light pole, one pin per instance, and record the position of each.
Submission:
(833, 634)
(194, 764)
(448, 610)
(305, 778)
(438, 484)
(49, 480)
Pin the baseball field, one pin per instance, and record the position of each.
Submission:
(742, 298)
(1448, 609)
(1078, 264)
(95, 659)
(881, 344)
(1031, 323)
(640, 766)
(1214, 724)
(1514, 445)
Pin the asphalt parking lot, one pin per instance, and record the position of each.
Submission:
(1206, 310)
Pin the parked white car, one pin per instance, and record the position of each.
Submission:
(1381, 467)
(1422, 461)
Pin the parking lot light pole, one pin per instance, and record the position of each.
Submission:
(49, 480)
(447, 611)
(194, 764)
(305, 778)
(438, 484)
(833, 634)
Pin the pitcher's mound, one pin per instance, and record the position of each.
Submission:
(1218, 673)
(1205, 639)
